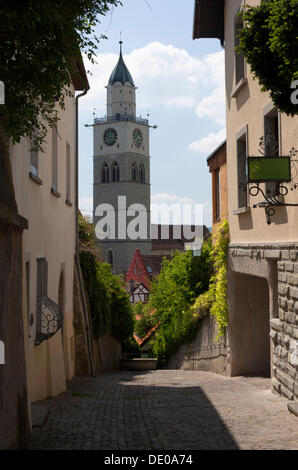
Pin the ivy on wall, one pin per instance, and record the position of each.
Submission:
(98, 296)
(215, 300)
(109, 302)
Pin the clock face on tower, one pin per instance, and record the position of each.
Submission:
(110, 136)
(137, 137)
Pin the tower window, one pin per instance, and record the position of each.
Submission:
(134, 172)
(141, 174)
(115, 172)
(110, 258)
(105, 176)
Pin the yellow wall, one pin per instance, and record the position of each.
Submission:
(247, 109)
(51, 234)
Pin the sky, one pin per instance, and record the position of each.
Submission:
(180, 85)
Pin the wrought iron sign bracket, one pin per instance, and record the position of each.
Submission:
(271, 200)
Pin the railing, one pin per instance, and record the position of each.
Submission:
(121, 117)
(50, 319)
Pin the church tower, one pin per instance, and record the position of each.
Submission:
(121, 167)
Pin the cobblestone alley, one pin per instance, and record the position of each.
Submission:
(167, 410)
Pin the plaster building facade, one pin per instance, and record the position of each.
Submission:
(263, 258)
(121, 170)
(45, 191)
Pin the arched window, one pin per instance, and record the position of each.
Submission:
(110, 258)
(134, 172)
(115, 172)
(141, 174)
(105, 176)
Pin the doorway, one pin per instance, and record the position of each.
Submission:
(249, 325)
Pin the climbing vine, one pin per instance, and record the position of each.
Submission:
(214, 300)
(109, 302)
(181, 280)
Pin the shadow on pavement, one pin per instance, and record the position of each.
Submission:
(114, 412)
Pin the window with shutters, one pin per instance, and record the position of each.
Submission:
(239, 58)
(241, 170)
(68, 170)
(217, 194)
(33, 160)
(54, 158)
(271, 142)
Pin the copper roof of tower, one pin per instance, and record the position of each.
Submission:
(121, 72)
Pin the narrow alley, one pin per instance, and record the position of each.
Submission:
(167, 410)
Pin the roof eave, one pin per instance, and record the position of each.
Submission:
(78, 73)
(209, 19)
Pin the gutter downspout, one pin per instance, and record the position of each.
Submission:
(77, 259)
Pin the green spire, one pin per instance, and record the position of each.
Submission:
(121, 72)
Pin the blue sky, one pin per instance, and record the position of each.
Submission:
(180, 83)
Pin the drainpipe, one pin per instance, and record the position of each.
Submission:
(77, 258)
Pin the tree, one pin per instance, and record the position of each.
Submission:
(269, 42)
(40, 45)
(182, 279)
(86, 231)
(144, 319)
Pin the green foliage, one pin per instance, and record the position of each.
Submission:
(269, 44)
(98, 295)
(40, 43)
(86, 231)
(181, 280)
(146, 319)
(109, 302)
(120, 307)
(130, 346)
(214, 300)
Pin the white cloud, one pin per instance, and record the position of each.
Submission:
(165, 198)
(86, 205)
(181, 101)
(213, 106)
(192, 79)
(208, 144)
(166, 76)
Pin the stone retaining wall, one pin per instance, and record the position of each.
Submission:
(205, 352)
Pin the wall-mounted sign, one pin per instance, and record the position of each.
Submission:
(263, 169)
